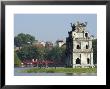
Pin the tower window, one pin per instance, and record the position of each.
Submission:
(78, 61)
(78, 47)
(86, 34)
(88, 61)
(86, 46)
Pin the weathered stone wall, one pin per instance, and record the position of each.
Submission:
(83, 58)
(81, 48)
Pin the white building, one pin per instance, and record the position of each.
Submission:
(43, 43)
(60, 43)
(79, 47)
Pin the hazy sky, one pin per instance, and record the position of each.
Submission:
(51, 27)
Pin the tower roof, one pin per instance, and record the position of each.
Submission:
(78, 27)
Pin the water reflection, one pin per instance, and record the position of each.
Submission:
(81, 74)
(69, 74)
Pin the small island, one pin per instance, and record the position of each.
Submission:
(78, 54)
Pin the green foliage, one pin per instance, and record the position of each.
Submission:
(28, 52)
(17, 61)
(23, 39)
(94, 45)
(57, 53)
(41, 53)
(60, 70)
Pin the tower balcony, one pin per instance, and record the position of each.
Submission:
(82, 50)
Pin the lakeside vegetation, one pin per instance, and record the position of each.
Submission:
(29, 51)
(60, 70)
(17, 61)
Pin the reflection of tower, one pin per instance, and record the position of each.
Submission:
(79, 47)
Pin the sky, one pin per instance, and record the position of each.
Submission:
(52, 27)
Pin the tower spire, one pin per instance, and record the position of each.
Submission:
(73, 26)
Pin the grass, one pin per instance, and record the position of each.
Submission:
(60, 70)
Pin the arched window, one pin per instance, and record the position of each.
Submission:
(88, 61)
(78, 47)
(86, 46)
(86, 34)
(78, 61)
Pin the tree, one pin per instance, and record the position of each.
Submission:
(94, 45)
(28, 52)
(17, 61)
(23, 39)
(57, 54)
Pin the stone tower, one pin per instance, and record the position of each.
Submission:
(79, 49)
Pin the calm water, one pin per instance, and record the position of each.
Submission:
(16, 73)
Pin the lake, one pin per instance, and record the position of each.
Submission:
(16, 73)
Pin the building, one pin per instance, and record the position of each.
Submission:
(49, 45)
(79, 49)
(60, 43)
(39, 44)
(35, 42)
(43, 43)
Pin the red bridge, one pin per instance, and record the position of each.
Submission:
(28, 62)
